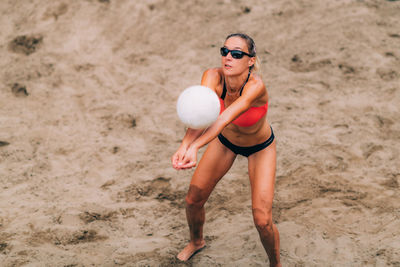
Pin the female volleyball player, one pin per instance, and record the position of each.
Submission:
(241, 128)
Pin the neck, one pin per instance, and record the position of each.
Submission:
(234, 83)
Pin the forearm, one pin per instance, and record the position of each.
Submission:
(190, 136)
(210, 134)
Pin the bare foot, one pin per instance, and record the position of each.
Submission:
(190, 250)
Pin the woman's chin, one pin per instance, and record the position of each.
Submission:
(228, 71)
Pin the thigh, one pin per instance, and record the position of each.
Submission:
(214, 164)
(262, 166)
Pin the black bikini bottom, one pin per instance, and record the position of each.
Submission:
(246, 150)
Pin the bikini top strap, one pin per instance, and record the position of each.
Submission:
(223, 91)
(241, 90)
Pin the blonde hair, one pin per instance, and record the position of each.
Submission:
(257, 65)
(251, 46)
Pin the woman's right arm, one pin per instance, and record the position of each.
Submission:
(190, 136)
(210, 78)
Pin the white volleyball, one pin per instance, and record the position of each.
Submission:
(198, 107)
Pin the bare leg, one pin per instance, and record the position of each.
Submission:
(195, 215)
(262, 179)
(216, 161)
(269, 236)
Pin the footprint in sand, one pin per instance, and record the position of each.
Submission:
(26, 44)
(56, 12)
(89, 216)
(346, 68)
(392, 181)
(65, 237)
(383, 121)
(158, 188)
(19, 90)
(394, 35)
(3, 246)
(369, 149)
(387, 74)
(4, 143)
(81, 236)
(303, 64)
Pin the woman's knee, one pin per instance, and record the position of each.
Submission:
(262, 219)
(195, 197)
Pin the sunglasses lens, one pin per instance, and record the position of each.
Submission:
(237, 54)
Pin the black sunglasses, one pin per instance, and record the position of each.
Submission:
(234, 53)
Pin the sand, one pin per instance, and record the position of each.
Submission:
(88, 125)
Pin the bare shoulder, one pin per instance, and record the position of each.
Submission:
(212, 74)
(255, 86)
(211, 78)
(257, 81)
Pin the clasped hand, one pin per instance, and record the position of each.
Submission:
(184, 158)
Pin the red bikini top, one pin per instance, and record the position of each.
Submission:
(250, 116)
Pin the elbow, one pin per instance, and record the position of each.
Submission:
(222, 122)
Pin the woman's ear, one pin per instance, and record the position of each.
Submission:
(252, 61)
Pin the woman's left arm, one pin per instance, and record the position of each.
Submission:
(254, 90)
